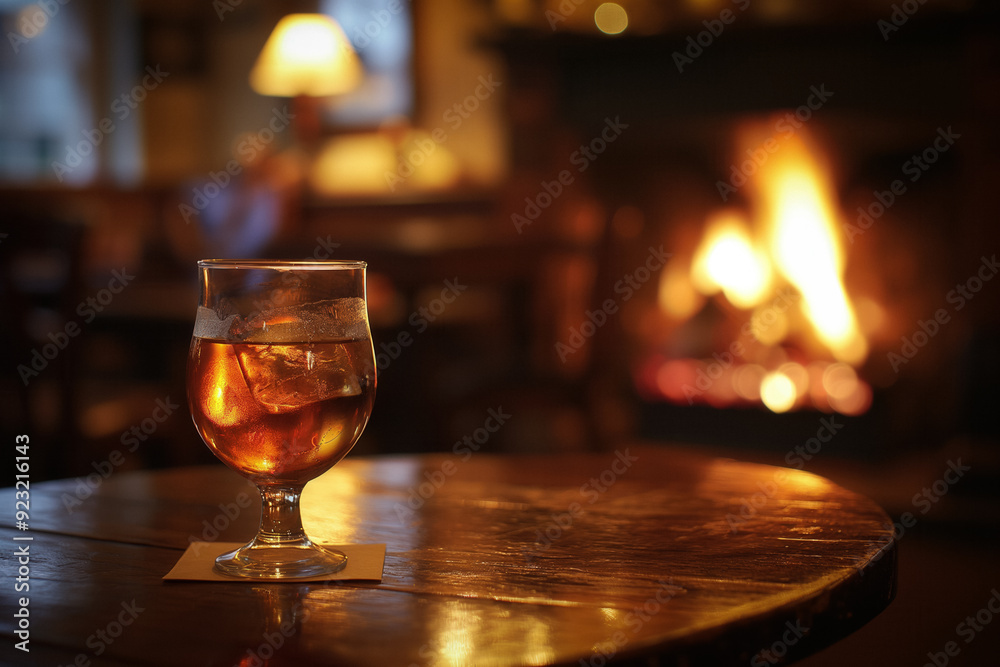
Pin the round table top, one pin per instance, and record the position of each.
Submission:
(571, 559)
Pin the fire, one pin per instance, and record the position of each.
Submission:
(805, 249)
(790, 244)
(727, 260)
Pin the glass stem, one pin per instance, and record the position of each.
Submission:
(280, 521)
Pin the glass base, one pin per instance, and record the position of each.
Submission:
(282, 560)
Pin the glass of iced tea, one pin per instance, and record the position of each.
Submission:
(281, 381)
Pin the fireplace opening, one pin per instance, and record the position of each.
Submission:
(772, 268)
(825, 201)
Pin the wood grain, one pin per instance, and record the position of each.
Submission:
(646, 551)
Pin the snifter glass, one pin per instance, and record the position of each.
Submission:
(281, 381)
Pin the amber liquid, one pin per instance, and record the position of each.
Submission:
(280, 413)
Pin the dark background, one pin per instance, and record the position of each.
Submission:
(495, 345)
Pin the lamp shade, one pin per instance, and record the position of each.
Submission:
(306, 54)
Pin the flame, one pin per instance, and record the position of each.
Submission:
(727, 260)
(805, 249)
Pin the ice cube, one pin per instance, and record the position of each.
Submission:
(283, 378)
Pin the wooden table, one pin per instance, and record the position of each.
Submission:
(573, 559)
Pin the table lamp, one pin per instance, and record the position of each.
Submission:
(307, 56)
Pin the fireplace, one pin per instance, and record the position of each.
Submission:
(823, 194)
